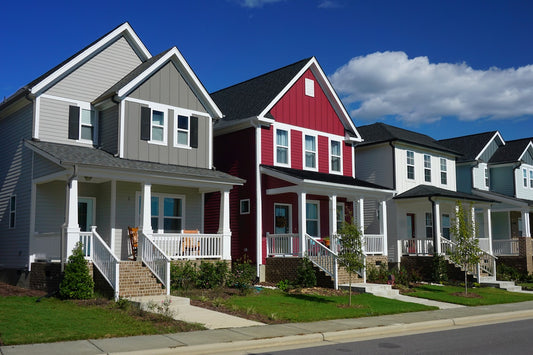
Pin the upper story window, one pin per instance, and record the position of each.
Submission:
(486, 171)
(310, 87)
(524, 174)
(410, 165)
(531, 179)
(82, 123)
(310, 152)
(12, 211)
(427, 168)
(186, 133)
(182, 134)
(443, 172)
(154, 124)
(335, 156)
(282, 147)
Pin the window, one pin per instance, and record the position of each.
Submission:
(531, 179)
(182, 134)
(154, 124)
(282, 147)
(446, 226)
(427, 168)
(429, 225)
(311, 213)
(88, 124)
(12, 211)
(340, 215)
(486, 177)
(245, 206)
(310, 87)
(336, 158)
(158, 126)
(410, 165)
(443, 172)
(524, 174)
(82, 123)
(310, 152)
(167, 212)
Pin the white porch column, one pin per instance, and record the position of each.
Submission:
(73, 228)
(332, 215)
(223, 225)
(146, 209)
(112, 242)
(526, 228)
(383, 226)
(302, 221)
(361, 215)
(488, 226)
(437, 229)
(473, 220)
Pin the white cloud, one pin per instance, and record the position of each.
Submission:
(256, 3)
(417, 91)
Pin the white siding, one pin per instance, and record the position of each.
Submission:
(374, 164)
(479, 176)
(521, 190)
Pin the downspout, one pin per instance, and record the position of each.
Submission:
(434, 231)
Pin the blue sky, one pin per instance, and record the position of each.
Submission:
(443, 68)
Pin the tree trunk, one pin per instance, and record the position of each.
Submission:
(350, 287)
(466, 283)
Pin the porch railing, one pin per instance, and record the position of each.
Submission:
(373, 243)
(283, 244)
(416, 246)
(106, 262)
(86, 240)
(189, 246)
(484, 244)
(156, 260)
(323, 257)
(486, 265)
(505, 247)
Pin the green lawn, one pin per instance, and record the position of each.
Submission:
(25, 321)
(276, 304)
(453, 294)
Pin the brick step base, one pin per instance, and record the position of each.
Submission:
(137, 280)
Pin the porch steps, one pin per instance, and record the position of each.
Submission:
(137, 280)
(325, 280)
(505, 285)
(381, 290)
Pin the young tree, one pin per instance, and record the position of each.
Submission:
(467, 251)
(77, 282)
(351, 254)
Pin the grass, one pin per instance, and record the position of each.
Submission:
(25, 321)
(527, 286)
(282, 306)
(455, 294)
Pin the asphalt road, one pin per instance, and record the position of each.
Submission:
(503, 338)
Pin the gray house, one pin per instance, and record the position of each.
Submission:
(112, 138)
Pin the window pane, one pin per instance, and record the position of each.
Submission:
(336, 164)
(87, 117)
(13, 203)
(155, 223)
(309, 160)
(183, 122)
(282, 156)
(155, 206)
(312, 228)
(172, 225)
(183, 138)
(310, 143)
(157, 133)
(282, 138)
(172, 207)
(335, 148)
(311, 210)
(158, 118)
(87, 133)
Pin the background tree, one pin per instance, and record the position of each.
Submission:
(351, 254)
(467, 251)
(77, 282)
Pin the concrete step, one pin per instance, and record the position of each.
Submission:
(505, 285)
(381, 290)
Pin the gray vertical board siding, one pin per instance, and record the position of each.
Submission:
(464, 178)
(374, 164)
(137, 149)
(101, 193)
(527, 158)
(167, 86)
(50, 207)
(502, 180)
(108, 129)
(371, 222)
(15, 178)
(99, 73)
(43, 167)
(491, 149)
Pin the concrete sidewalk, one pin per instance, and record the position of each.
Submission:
(257, 337)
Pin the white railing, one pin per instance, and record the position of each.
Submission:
(156, 260)
(487, 262)
(283, 244)
(86, 240)
(505, 247)
(189, 246)
(106, 262)
(373, 243)
(416, 246)
(323, 257)
(447, 247)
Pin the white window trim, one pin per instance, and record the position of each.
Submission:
(276, 163)
(408, 165)
(343, 206)
(427, 167)
(164, 109)
(486, 177)
(331, 171)
(241, 206)
(428, 225)
(309, 87)
(317, 202)
(305, 151)
(524, 178)
(12, 211)
(290, 215)
(161, 216)
(443, 171)
(188, 114)
(531, 179)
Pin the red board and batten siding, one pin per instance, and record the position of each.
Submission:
(347, 160)
(323, 154)
(267, 145)
(296, 149)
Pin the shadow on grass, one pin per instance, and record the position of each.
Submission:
(310, 298)
(428, 288)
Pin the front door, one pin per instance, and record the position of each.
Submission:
(85, 213)
(282, 219)
(410, 228)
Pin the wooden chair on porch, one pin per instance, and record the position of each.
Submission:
(133, 234)
(188, 245)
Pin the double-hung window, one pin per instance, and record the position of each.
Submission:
(312, 218)
(182, 130)
(12, 211)
(443, 172)
(429, 225)
(310, 152)
(486, 172)
(154, 124)
(82, 123)
(446, 226)
(427, 168)
(340, 215)
(335, 157)
(531, 179)
(524, 174)
(282, 147)
(410, 165)
(167, 212)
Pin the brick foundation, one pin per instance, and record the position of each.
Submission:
(45, 276)
(423, 266)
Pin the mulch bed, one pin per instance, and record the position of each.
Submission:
(9, 290)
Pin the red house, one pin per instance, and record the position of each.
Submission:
(289, 136)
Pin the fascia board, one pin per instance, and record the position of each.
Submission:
(124, 28)
(529, 146)
(496, 135)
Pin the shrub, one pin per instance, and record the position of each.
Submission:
(212, 275)
(378, 275)
(306, 276)
(507, 273)
(183, 276)
(284, 285)
(77, 282)
(440, 269)
(243, 274)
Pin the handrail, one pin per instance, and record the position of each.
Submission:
(106, 262)
(373, 243)
(505, 247)
(156, 260)
(189, 246)
(323, 257)
(487, 262)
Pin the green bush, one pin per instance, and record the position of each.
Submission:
(306, 276)
(379, 275)
(243, 274)
(507, 273)
(212, 275)
(77, 282)
(284, 285)
(183, 276)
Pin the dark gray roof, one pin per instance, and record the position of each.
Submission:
(499, 195)
(86, 156)
(381, 132)
(251, 97)
(433, 191)
(129, 77)
(469, 146)
(331, 178)
(510, 152)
